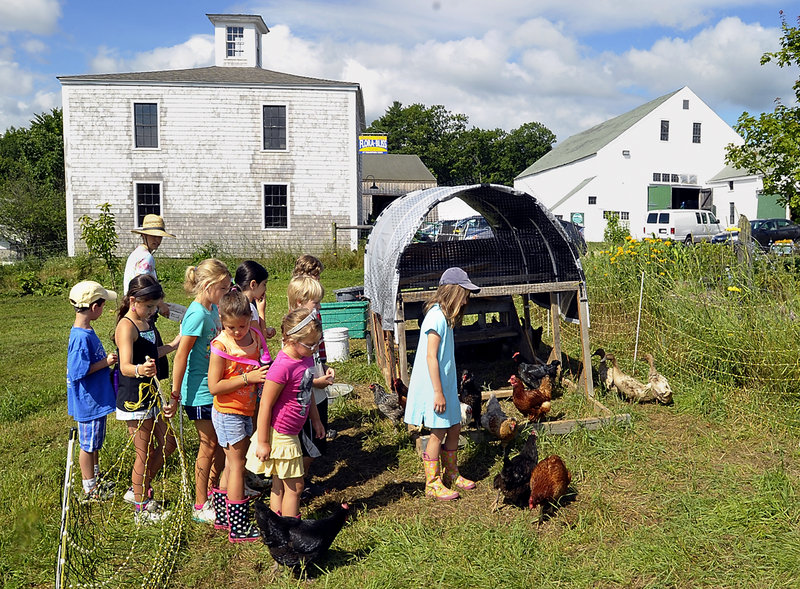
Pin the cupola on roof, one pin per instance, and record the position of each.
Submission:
(237, 39)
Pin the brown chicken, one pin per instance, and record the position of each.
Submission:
(496, 421)
(532, 403)
(401, 390)
(550, 480)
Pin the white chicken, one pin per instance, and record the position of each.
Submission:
(658, 382)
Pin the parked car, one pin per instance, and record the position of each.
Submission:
(685, 225)
(765, 232)
(474, 228)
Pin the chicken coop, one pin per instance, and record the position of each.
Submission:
(528, 255)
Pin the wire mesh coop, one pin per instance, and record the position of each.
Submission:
(528, 254)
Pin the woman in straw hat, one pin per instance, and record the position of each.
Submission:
(141, 261)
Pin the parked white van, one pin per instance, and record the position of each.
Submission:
(685, 225)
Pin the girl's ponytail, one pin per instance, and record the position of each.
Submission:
(142, 287)
(206, 273)
(189, 279)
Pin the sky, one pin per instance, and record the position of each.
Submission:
(567, 65)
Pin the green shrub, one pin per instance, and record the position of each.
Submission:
(100, 236)
(616, 230)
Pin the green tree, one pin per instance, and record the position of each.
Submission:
(100, 236)
(32, 194)
(521, 147)
(428, 132)
(772, 140)
(457, 154)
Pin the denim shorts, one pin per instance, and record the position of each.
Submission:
(231, 428)
(198, 412)
(91, 434)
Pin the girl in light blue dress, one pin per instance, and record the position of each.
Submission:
(433, 388)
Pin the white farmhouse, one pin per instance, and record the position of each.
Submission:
(250, 159)
(738, 192)
(668, 153)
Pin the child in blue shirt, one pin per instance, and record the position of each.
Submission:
(90, 396)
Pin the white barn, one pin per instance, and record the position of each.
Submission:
(667, 153)
(251, 159)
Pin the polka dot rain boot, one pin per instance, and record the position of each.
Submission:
(218, 500)
(242, 530)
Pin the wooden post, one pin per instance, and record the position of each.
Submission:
(583, 319)
(400, 333)
(555, 319)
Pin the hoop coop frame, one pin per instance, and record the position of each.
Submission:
(530, 255)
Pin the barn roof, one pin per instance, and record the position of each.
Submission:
(589, 142)
(395, 167)
(529, 247)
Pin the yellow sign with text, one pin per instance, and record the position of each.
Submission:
(372, 144)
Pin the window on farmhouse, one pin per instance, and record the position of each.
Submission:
(235, 41)
(696, 133)
(274, 127)
(145, 122)
(664, 130)
(592, 200)
(685, 105)
(148, 201)
(276, 206)
(656, 177)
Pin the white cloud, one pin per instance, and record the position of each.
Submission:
(34, 46)
(198, 51)
(721, 64)
(534, 69)
(34, 16)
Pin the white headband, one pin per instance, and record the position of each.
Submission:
(308, 319)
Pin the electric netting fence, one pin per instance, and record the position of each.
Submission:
(101, 543)
(724, 328)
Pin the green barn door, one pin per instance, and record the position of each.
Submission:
(659, 197)
(768, 207)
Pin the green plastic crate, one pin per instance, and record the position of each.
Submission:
(349, 314)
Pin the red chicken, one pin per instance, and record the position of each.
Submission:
(550, 480)
(532, 403)
(401, 390)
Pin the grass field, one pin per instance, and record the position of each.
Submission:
(702, 493)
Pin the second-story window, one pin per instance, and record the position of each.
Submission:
(145, 122)
(664, 130)
(696, 133)
(274, 127)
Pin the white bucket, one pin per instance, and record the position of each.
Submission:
(337, 344)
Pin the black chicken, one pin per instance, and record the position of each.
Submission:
(470, 393)
(532, 374)
(513, 481)
(387, 403)
(295, 542)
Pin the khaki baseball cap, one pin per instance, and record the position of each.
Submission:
(83, 294)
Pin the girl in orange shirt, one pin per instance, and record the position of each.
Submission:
(238, 362)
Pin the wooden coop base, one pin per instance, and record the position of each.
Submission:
(557, 427)
(392, 358)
